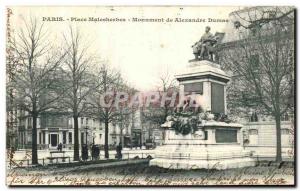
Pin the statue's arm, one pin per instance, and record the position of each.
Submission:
(196, 43)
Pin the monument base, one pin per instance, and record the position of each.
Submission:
(197, 152)
(201, 157)
(202, 164)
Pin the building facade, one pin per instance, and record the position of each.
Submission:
(54, 128)
(260, 138)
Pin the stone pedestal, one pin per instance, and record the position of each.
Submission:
(208, 82)
(195, 151)
(202, 157)
(215, 145)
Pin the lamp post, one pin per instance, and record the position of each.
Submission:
(94, 136)
(121, 127)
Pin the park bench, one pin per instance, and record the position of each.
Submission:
(51, 158)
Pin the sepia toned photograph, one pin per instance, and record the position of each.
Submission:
(150, 96)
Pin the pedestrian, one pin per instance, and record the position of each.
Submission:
(59, 147)
(119, 151)
(84, 152)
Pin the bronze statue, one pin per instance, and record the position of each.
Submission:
(204, 48)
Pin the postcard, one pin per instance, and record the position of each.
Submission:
(150, 96)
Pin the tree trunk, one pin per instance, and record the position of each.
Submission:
(278, 138)
(76, 140)
(106, 153)
(121, 137)
(121, 129)
(34, 140)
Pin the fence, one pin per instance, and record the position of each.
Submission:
(58, 160)
(43, 162)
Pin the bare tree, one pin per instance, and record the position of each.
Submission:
(126, 113)
(103, 104)
(78, 79)
(158, 112)
(12, 62)
(36, 81)
(124, 121)
(262, 63)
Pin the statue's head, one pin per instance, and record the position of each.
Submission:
(207, 29)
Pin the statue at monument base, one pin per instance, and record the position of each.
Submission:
(200, 143)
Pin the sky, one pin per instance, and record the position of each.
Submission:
(141, 51)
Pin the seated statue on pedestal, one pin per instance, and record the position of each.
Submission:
(204, 49)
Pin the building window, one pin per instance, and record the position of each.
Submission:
(82, 137)
(70, 137)
(285, 131)
(100, 136)
(44, 137)
(29, 122)
(40, 138)
(29, 139)
(254, 117)
(87, 121)
(70, 123)
(114, 128)
(64, 137)
(205, 135)
(82, 121)
(285, 117)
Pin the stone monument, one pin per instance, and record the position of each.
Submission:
(206, 139)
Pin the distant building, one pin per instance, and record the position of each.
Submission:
(260, 137)
(55, 128)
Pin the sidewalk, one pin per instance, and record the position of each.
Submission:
(23, 157)
(100, 165)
